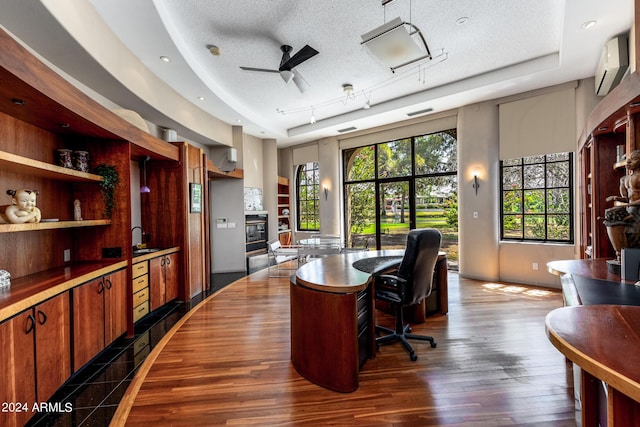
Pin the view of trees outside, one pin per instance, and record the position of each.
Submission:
(537, 198)
(308, 197)
(396, 186)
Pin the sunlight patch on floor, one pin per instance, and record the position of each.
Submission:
(515, 289)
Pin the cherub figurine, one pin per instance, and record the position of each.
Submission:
(23, 208)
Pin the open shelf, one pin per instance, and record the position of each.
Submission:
(13, 228)
(24, 165)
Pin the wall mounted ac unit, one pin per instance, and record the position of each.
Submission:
(614, 62)
(229, 161)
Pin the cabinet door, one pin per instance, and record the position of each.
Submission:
(171, 277)
(18, 368)
(115, 305)
(88, 322)
(156, 282)
(53, 345)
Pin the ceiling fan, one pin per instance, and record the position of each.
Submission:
(288, 63)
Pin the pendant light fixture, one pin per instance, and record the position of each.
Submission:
(144, 188)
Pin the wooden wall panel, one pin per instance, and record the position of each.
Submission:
(196, 174)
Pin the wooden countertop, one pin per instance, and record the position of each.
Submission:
(594, 268)
(155, 254)
(336, 273)
(30, 290)
(601, 339)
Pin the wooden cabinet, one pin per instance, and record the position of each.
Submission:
(17, 363)
(35, 357)
(141, 290)
(99, 316)
(284, 212)
(163, 275)
(40, 113)
(612, 128)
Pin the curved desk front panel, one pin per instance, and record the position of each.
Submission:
(332, 319)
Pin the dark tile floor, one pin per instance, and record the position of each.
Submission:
(95, 391)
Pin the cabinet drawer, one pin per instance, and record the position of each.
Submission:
(140, 268)
(140, 311)
(140, 282)
(140, 297)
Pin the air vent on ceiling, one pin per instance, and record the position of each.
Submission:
(415, 113)
(347, 129)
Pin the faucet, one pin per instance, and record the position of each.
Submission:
(142, 234)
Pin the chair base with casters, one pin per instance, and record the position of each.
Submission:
(408, 285)
(402, 334)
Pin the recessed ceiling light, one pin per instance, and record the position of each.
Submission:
(462, 20)
(201, 98)
(239, 120)
(165, 59)
(589, 24)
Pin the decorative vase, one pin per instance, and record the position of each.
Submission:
(81, 161)
(618, 238)
(64, 158)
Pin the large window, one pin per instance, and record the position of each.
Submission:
(537, 198)
(308, 197)
(395, 186)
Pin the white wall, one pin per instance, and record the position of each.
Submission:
(252, 162)
(270, 184)
(478, 153)
(482, 254)
(227, 244)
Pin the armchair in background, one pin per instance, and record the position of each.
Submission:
(410, 284)
(281, 258)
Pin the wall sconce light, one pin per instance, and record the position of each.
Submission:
(144, 188)
(475, 184)
(326, 192)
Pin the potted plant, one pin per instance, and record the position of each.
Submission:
(111, 178)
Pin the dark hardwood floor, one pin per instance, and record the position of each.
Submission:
(229, 363)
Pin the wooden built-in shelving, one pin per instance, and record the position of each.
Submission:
(53, 225)
(284, 224)
(24, 165)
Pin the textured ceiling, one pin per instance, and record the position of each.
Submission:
(505, 47)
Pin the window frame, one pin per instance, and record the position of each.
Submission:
(545, 189)
(315, 199)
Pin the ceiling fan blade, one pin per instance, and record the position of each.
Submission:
(307, 52)
(262, 70)
(300, 82)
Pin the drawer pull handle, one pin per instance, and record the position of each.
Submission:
(42, 318)
(31, 325)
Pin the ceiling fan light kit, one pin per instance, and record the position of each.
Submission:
(288, 63)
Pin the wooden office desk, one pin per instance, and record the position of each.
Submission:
(604, 341)
(332, 319)
(333, 316)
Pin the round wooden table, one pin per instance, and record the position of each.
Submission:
(604, 341)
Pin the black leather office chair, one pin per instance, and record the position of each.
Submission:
(410, 284)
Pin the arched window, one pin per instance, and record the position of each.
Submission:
(308, 197)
